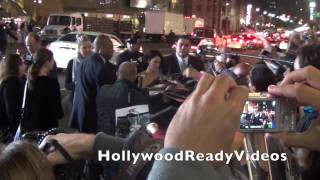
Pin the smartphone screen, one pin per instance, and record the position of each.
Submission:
(259, 115)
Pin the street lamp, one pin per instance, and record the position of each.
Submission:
(312, 6)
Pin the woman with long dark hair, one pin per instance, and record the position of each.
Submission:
(43, 102)
(152, 74)
(12, 70)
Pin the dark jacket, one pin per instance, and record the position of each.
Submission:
(89, 77)
(111, 97)
(4, 31)
(43, 105)
(11, 93)
(28, 60)
(171, 64)
(127, 56)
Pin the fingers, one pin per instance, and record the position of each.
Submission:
(204, 84)
(237, 98)
(310, 75)
(45, 141)
(221, 87)
(304, 94)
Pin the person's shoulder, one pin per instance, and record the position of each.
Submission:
(104, 91)
(170, 57)
(194, 58)
(11, 81)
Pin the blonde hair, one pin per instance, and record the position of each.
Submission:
(22, 160)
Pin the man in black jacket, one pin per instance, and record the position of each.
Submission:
(123, 93)
(132, 54)
(179, 61)
(4, 31)
(93, 72)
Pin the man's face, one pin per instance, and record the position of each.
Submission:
(107, 50)
(32, 45)
(183, 47)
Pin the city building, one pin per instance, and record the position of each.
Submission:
(221, 15)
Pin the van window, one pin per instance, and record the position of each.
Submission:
(59, 20)
(78, 21)
(73, 21)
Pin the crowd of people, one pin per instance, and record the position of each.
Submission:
(206, 121)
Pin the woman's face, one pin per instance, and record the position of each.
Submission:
(154, 63)
(85, 49)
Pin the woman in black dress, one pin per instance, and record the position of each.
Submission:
(12, 69)
(43, 102)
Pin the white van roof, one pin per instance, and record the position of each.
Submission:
(66, 14)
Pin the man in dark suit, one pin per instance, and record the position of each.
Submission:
(180, 61)
(93, 72)
(123, 93)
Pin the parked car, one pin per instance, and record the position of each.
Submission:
(66, 47)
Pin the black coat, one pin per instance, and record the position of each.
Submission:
(4, 31)
(127, 56)
(170, 64)
(43, 105)
(112, 97)
(91, 74)
(11, 93)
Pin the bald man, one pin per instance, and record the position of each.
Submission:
(93, 72)
(121, 94)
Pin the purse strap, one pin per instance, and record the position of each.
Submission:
(24, 95)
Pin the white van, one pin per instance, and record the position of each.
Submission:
(60, 23)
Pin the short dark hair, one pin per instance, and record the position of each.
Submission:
(133, 40)
(309, 55)
(261, 77)
(152, 54)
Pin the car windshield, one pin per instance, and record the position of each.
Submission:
(195, 41)
(73, 38)
(203, 33)
(59, 20)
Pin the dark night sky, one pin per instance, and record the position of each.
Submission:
(291, 7)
